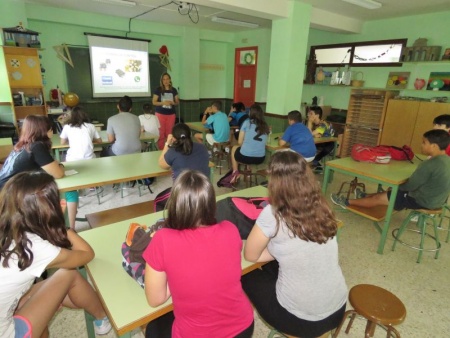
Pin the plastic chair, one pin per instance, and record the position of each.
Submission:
(423, 215)
(379, 306)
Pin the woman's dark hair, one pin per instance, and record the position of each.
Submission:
(29, 203)
(239, 106)
(161, 84)
(256, 116)
(182, 134)
(192, 202)
(296, 199)
(78, 116)
(439, 137)
(34, 129)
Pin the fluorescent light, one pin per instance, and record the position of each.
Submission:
(118, 2)
(370, 4)
(234, 22)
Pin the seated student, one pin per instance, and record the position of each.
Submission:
(149, 122)
(236, 112)
(320, 128)
(299, 137)
(81, 135)
(197, 262)
(443, 122)
(181, 153)
(33, 238)
(213, 116)
(251, 148)
(303, 293)
(427, 188)
(124, 130)
(33, 151)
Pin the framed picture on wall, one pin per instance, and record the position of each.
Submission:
(439, 81)
(397, 80)
(446, 55)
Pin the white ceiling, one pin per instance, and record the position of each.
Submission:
(166, 11)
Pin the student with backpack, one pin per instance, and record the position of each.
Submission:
(197, 262)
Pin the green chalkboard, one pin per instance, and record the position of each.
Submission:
(79, 76)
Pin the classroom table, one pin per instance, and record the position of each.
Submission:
(389, 175)
(58, 147)
(273, 145)
(108, 170)
(123, 299)
(198, 127)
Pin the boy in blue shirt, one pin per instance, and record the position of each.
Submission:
(219, 122)
(299, 137)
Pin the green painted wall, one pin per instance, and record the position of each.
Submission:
(213, 69)
(412, 28)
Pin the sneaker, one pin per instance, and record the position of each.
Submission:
(102, 326)
(318, 169)
(359, 193)
(210, 154)
(415, 219)
(215, 149)
(339, 200)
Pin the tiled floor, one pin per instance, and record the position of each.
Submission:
(424, 288)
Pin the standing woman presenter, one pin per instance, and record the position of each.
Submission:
(165, 98)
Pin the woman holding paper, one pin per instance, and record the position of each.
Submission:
(165, 98)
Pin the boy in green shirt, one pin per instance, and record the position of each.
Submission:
(427, 188)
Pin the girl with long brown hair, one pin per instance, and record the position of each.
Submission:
(302, 291)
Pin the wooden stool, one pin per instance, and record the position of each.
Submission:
(423, 216)
(379, 306)
(221, 152)
(249, 175)
(352, 186)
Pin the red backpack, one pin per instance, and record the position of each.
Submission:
(371, 154)
(404, 153)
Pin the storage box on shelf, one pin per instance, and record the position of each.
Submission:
(365, 117)
(25, 81)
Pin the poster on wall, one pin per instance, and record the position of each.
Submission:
(439, 81)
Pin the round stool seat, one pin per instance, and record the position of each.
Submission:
(377, 304)
(429, 211)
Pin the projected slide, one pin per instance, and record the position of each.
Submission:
(119, 66)
(119, 72)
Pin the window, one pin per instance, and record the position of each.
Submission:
(381, 53)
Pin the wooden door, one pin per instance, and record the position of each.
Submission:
(245, 63)
(424, 122)
(399, 122)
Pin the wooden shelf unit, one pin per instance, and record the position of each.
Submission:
(24, 75)
(365, 117)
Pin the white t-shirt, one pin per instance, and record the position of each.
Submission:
(80, 140)
(15, 283)
(150, 123)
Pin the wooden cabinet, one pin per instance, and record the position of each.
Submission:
(365, 117)
(25, 81)
(406, 121)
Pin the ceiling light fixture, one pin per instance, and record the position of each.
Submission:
(118, 2)
(234, 22)
(369, 4)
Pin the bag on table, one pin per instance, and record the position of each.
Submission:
(136, 241)
(371, 154)
(404, 153)
(161, 199)
(241, 211)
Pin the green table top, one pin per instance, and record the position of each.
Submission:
(109, 170)
(123, 299)
(197, 126)
(395, 172)
(5, 141)
(56, 140)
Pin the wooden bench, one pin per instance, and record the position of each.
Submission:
(101, 218)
